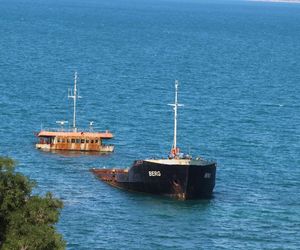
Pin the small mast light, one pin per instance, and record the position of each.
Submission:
(62, 123)
(91, 126)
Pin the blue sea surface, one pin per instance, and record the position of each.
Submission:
(238, 64)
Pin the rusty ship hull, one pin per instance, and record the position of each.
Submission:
(175, 179)
(74, 141)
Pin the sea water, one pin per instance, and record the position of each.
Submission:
(238, 64)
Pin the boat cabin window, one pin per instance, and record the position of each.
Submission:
(73, 140)
(82, 140)
(96, 141)
(77, 140)
(46, 140)
(92, 141)
(87, 141)
(58, 139)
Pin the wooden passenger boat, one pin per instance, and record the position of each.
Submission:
(74, 139)
(79, 141)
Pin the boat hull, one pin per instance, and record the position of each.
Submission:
(182, 182)
(73, 147)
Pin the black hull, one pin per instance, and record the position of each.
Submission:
(177, 181)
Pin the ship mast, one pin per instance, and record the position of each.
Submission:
(175, 150)
(74, 95)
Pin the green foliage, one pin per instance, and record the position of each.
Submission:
(7, 164)
(14, 189)
(26, 221)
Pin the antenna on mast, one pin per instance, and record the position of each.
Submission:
(74, 95)
(175, 150)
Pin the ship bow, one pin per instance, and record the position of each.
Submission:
(201, 181)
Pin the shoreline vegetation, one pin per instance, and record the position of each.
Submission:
(27, 221)
(276, 1)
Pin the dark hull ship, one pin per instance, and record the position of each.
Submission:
(182, 179)
(179, 176)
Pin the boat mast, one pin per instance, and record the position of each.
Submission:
(74, 96)
(175, 150)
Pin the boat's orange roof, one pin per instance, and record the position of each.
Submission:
(104, 135)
